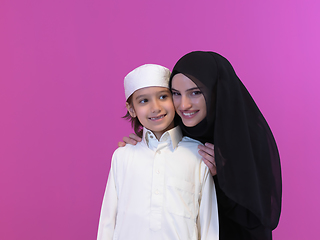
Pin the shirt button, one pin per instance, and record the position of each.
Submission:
(159, 151)
(158, 171)
(151, 136)
(157, 192)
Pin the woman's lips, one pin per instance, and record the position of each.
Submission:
(189, 114)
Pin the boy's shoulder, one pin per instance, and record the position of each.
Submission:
(187, 141)
(188, 151)
(188, 147)
(127, 149)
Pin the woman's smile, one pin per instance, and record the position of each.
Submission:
(189, 113)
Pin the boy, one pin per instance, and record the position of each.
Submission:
(159, 188)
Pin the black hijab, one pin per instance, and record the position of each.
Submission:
(247, 158)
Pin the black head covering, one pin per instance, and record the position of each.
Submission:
(247, 158)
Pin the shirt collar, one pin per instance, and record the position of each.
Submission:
(173, 136)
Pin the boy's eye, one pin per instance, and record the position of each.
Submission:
(143, 101)
(163, 96)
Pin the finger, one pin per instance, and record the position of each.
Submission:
(129, 140)
(121, 144)
(209, 145)
(135, 137)
(207, 157)
(212, 168)
(208, 163)
(206, 149)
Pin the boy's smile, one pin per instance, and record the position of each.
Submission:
(154, 108)
(158, 117)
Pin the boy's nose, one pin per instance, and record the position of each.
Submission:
(156, 107)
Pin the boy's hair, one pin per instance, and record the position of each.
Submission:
(135, 123)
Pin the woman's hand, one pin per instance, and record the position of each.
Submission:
(207, 153)
(133, 139)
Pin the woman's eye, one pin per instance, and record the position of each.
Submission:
(175, 94)
(194, 93)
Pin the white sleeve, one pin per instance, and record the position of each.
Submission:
(108, 213)
(208, 222)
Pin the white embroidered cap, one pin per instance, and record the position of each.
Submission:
(148, 75)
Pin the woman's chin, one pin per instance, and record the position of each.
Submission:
(189, 122)
(193, 119)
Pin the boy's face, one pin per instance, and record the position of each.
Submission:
(154, 108)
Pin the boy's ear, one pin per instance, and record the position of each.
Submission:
(130, 110)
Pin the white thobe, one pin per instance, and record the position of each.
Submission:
(159, 190)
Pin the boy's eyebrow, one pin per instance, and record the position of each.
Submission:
(164, 91)
(146, 95)
(141, 96)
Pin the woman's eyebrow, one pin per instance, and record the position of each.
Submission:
(190, 89)
(195, 88)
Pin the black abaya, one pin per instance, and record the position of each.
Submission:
(248, 180)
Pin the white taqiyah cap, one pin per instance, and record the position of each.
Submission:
(148, 75)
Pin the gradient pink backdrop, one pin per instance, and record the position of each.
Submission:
(62, 65)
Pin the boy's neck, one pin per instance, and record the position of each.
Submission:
(158, 134)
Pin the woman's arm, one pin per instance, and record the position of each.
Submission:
(207, 153)
(133, 139)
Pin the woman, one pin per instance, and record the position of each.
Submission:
(213, 106)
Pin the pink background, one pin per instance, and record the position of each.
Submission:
(62, 65)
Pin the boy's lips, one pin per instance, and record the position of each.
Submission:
(157, 117)
(189, 113)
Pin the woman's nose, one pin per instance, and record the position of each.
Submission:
(185, 103)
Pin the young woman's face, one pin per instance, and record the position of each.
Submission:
(154, 108)
(188, 100)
